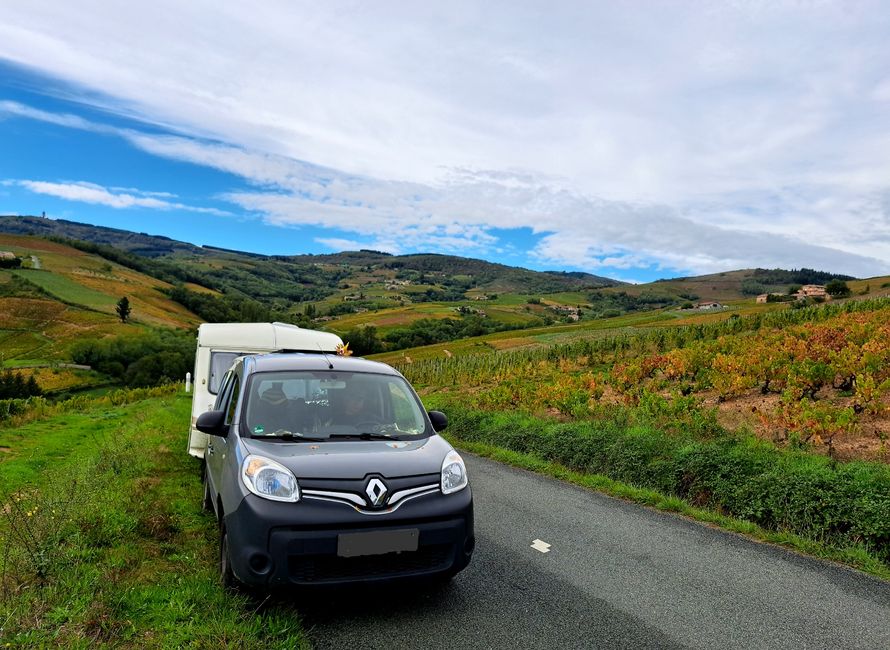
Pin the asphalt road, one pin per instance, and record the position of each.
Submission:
(617, 576)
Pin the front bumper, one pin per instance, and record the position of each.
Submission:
(277, 544)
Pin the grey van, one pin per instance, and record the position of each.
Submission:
(325, 470)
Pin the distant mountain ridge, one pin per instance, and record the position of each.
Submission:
(139, 243)
(484, 275)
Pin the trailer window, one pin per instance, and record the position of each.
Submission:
(219, 363)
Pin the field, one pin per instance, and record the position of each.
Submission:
(541, 337)
(72, 297)
(67, 290)
(103, 540)
(83, 280)
(817, 378)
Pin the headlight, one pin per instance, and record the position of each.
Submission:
(270, 480)
(454, 473)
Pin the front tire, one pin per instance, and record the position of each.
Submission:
(227, 577)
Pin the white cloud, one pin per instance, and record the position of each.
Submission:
(686, 137)
(91, 193)
(458, 214)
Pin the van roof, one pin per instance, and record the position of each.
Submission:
(266, 337)
(285, 362)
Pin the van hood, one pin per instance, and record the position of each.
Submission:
(354, 459)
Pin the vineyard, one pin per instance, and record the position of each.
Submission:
(817, 377)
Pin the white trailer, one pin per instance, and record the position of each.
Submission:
(219, 344)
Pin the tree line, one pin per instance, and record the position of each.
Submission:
(13, 385)
(139, 361)
(426, 331)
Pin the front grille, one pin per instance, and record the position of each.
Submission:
(331, 568)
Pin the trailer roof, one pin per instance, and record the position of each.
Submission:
(265, 336)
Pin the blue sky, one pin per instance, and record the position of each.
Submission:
(632, 140)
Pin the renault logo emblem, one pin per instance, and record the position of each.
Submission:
(376, 491)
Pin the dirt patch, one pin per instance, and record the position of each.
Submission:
(869, 440)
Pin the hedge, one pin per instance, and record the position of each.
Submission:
(782, 490)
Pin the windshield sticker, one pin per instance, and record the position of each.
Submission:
(258, 429)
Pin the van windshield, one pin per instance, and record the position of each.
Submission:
(322, 405)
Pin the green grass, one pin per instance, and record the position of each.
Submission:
(67, 290)
(104, 543)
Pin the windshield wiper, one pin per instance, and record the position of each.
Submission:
(284, 434)
(365, 435)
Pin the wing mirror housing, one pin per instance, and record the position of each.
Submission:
(213, 423)
(439, 420)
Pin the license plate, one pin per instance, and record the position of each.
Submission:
(377, 542)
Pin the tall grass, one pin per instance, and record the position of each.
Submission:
(107, 545)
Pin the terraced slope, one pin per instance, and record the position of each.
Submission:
(62, 295)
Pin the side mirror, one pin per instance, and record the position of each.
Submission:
(439, 420)
(213, 422)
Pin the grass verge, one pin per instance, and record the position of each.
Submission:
(103, 542)
(839, 512)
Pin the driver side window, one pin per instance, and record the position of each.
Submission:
(233, 399)
(223, 392)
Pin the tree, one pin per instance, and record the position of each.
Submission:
(123, 309)
(837, 289)
(10, 262)
(363, 340)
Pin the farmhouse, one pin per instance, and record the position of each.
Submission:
(811, 291)
(6, 255)
(573, 313)
(708, 305)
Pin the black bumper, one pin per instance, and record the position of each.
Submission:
(279, 544)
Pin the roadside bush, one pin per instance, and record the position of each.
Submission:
(811, 496)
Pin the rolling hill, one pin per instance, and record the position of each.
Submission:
(73, 274)
(220, 284)
(61, 295)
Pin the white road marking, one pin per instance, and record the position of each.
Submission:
(542, 546)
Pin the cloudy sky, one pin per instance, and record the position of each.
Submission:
(635, 139)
